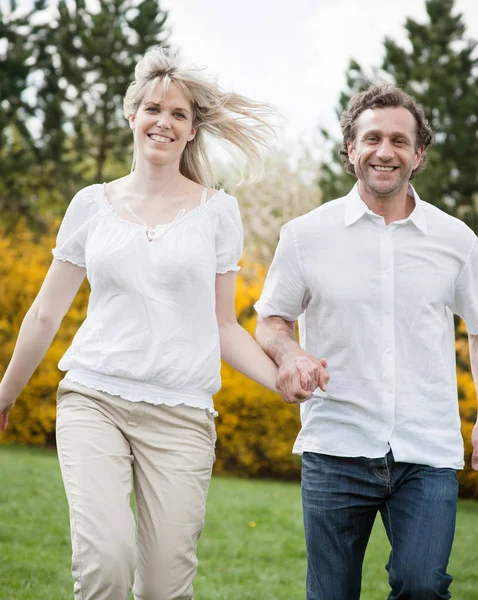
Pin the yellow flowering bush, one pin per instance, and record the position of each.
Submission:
(468, 479)
(23, 265)
(256, 428)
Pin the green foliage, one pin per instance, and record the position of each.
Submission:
(20, 152)
(439, 67)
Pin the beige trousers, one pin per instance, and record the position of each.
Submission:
(107, 444)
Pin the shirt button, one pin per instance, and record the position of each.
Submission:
(390, 391)
(388, 311)
(388, 271)
(388, 351)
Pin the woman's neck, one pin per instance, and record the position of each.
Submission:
(158, 181)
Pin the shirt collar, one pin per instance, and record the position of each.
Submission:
(355, 208)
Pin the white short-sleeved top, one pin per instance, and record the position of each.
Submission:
(151, 332)
(377, 301)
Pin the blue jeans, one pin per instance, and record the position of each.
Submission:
(341, 498)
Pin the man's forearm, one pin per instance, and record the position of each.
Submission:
(276, 337)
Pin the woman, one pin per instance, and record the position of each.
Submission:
(160, 249)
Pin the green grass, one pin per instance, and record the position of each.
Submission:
(237, 561)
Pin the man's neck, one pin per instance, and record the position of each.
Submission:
(392, 208)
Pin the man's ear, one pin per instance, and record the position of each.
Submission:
(418, 156)
(351, 152)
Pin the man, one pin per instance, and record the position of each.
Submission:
(375, 278)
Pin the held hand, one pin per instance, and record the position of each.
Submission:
(312, 372)
(299, 375)
(6, 405)
(474, 441)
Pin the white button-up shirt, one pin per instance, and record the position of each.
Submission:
(377, 302)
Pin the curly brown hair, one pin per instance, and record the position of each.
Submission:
(383, 96)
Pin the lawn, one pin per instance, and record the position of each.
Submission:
(252, 547)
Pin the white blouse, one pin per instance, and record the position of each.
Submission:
(151, 332)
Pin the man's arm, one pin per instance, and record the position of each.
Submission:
(473, 344)
(299, 373)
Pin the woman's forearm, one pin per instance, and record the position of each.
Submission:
(242, 353)
(34, 339)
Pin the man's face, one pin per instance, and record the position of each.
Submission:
(384, 152)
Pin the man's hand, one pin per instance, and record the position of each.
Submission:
(474, 441)
(299, 375)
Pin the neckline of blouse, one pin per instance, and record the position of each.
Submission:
(160, 226)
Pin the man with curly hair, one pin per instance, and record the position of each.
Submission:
(374, 279)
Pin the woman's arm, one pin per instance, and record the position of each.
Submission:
(38, 330)
(238, 348)
(242, 352)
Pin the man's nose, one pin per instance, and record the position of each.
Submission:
(385, 150)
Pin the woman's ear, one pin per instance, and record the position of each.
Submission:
(192, 135)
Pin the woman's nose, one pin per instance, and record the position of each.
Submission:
(163, 121)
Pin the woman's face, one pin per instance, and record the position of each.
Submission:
(163, 125)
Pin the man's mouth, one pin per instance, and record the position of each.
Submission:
(162, 139)
(383, 169)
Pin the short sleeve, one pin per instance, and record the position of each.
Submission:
(285, 293)
(229, 235)
(73, 232)
(466, 291)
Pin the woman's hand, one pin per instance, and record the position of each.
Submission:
(299, 375)
(6, 405)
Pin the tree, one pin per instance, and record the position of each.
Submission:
(97, 54)
(20, 151)
(439, 67)
(62, 83)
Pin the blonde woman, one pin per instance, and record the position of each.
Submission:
(160, 249)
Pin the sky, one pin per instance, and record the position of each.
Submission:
(294, 53)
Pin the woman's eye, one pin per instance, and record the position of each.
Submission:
(152, 109)
(180, 115)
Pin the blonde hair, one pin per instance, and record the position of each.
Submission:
(241, 125)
